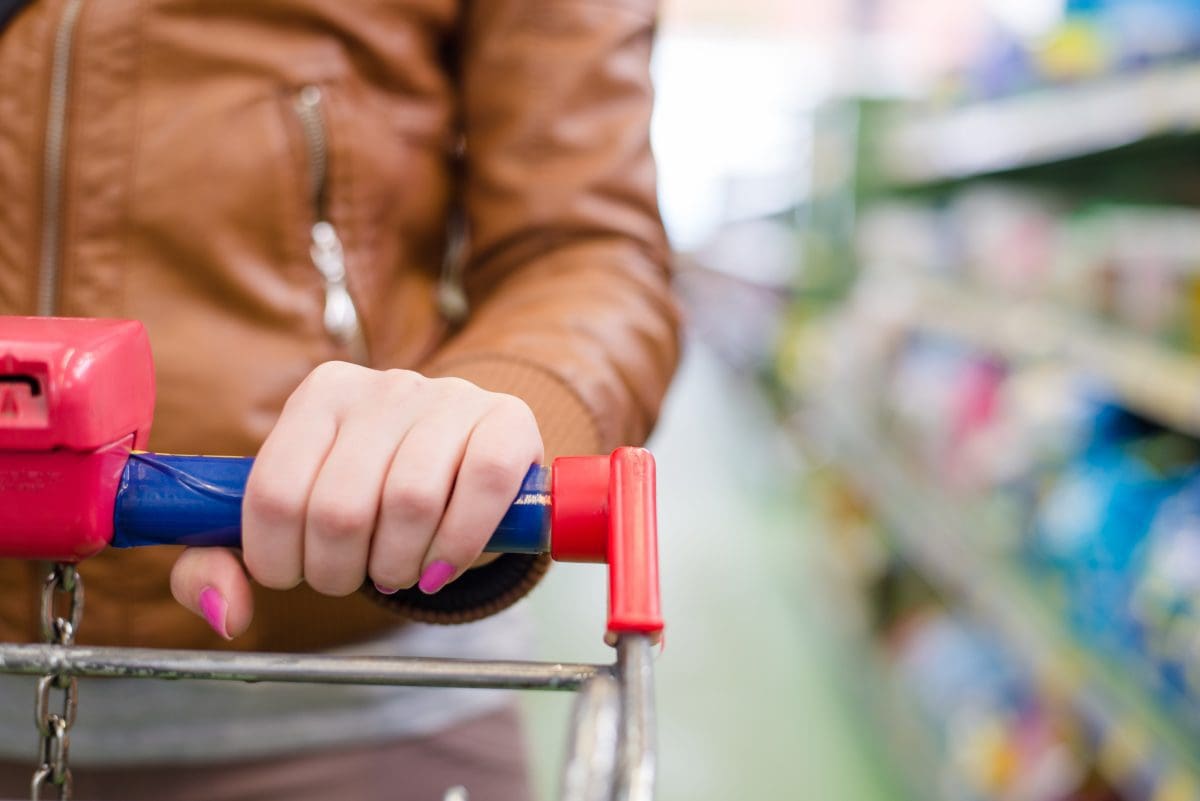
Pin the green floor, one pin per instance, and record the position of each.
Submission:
(747, 689)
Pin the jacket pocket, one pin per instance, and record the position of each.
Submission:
(328, 255)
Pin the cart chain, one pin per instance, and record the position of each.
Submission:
(54, 726)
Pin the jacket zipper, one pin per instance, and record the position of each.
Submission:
(452, 301)
(52, 177)
(328, 255)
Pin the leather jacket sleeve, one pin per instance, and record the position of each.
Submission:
(567, 262)
(566, 265)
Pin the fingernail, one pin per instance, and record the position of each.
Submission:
(384, 590)
(435, 577)
(214, 608)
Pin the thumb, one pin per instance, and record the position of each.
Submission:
(212, 583)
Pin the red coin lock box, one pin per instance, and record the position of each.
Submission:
(76, 396)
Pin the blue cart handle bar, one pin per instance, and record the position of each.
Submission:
(197, 500)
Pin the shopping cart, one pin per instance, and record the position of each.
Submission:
(76, 399)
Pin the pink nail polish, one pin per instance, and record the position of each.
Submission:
(384, 590)
(214, 608)
(435, 576)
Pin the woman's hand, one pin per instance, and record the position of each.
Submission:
(381, 475)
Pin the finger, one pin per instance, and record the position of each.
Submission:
(212, 583)
(416, 491)
(345, 500)
(277, 491)
(499, 453)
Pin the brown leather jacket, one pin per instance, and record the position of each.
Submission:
(169, 162)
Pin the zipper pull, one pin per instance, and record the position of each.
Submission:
(341, 318)
(452, 301)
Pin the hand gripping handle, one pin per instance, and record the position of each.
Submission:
(586, 509)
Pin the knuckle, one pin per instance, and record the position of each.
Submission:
(413, 501)
(339, 520)
(511, 404)
(400, 384)
(270, 567)
(402, 377)
(323, 381)
(516, 412)
(327, 376)
(453, 385)
(520, 429)
(273, 503)
(496, 472)
(334, 370)
(336, 585)
(461, 547)
(269, 574)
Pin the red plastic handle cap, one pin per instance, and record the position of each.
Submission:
(579, 511)
(634, 606)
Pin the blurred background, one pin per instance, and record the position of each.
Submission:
(930, 475)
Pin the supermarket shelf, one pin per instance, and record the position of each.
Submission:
(1140, 748)
(1041, 127)
(1149, 378)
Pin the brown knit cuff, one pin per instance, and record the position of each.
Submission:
(478, 593)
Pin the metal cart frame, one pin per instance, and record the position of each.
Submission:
(611, 749)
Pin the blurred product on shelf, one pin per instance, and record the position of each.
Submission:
(1135, 266)
(1093, 38)
(1000, 740)
(1095, 517)
(1165, 601)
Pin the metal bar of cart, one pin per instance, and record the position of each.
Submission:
(611, 754)
(589, 770)
(637, 757)
(146, 663)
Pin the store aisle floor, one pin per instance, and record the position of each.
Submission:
(748, 705)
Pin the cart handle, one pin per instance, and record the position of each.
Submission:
(77, 402)
(598, 509)
(583, 509)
